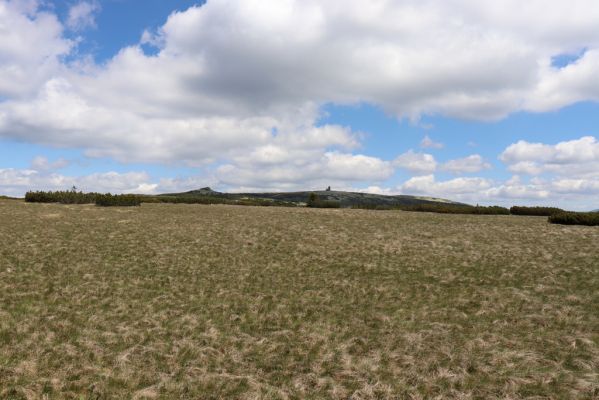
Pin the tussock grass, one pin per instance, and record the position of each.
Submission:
(209, 302)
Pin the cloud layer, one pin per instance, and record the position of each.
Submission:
(239, 85)
(571, 158)
(559, 174)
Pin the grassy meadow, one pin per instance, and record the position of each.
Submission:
(175, 301)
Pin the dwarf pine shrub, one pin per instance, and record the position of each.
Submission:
(575, 218)
(119, 200)
(535, 211)
(63, 197)
(448, 208)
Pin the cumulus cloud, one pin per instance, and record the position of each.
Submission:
(514, 189)
(565, 174)
(18, 181)
(240, 83)
(428, 143)
(573, 158)
(41, 163)
(458, 187)
(377, 190)
(330, 169)
(568, 85)
(416, 163)
(472, 163)
(31, 45)
(82, 15)
(565, 193)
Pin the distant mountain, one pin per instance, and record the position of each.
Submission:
(346, 199)
(205, 191)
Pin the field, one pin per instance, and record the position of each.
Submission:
(216, 302)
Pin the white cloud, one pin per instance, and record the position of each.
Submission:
(428, 143)
(227, 59)
(560, 87)
(472, 163)
(42, 163)
(328, 169)
(576, 186)
(241, 83)
(458, 187)
(566, 193)
(416, 163)
(31, 45)
(576, 194)
(18, 181)
(82, 15)
(377, 190)
(511, 192)
(574, 158)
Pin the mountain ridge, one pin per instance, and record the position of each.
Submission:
(346, 199)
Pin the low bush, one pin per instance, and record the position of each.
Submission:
(442, 208)
(575, 218)
(74, 197)
(63, 197)
(448, 208)
(118, 200)
(535, 211)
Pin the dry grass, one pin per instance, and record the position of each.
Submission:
(211, 302)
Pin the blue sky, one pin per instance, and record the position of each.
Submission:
(119, 23)
(161, 96)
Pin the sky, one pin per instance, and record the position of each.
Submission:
(483, 102)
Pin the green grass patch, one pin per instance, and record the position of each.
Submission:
(215, 301)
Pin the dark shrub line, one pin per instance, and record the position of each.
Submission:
(118, 200)
(535, 211)
(575, 218)
(442, 208)
(457, 209)
(74, 197)
(556, 215)
(63, 197)
(105, 200)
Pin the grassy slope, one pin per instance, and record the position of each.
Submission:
(189, 301)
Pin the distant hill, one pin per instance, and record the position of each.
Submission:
(346, 199)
